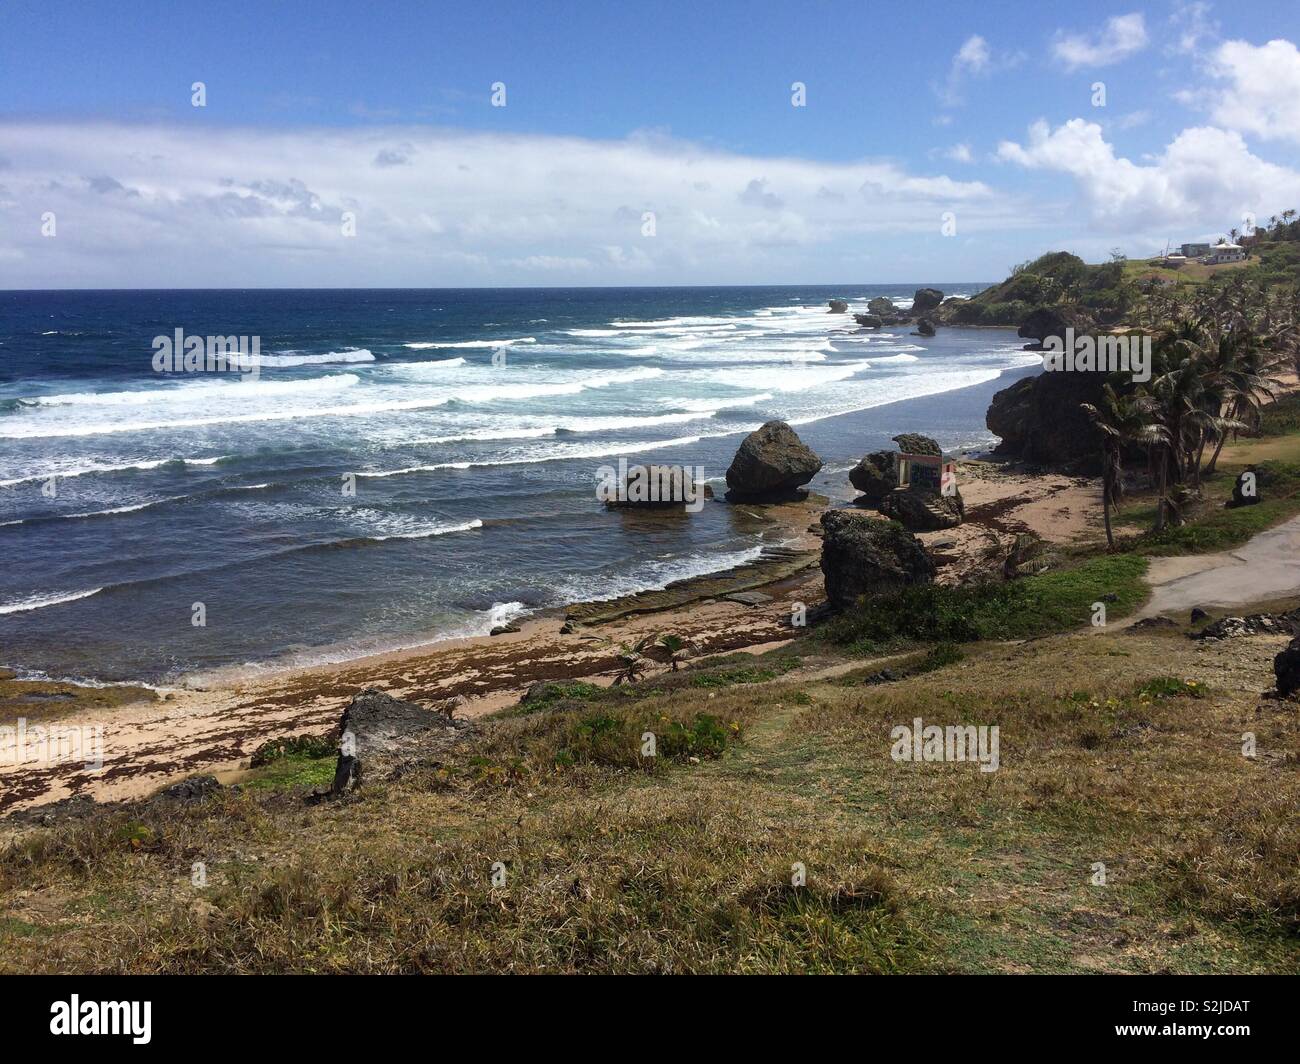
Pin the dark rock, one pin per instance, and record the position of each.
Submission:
(838, 306)
(924, 327)
(504, 629)
(875, 476)
(1152, 622)
(883, 676)
(869, 321)
(1245, 492)
(651, 487)
(192, 787)
(771, 462)
(1198, 614)
(915, 443)
(1040, 419)
(379, 732)
(864, 556)
(1286, 667)
(925, 300)
(1049, 321)
(922, 511)
(882, 307)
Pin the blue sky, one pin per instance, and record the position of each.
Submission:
(939, 141)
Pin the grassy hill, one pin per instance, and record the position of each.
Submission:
(1123, 831)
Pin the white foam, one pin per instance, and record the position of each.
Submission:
(288, 359)
(39, 602)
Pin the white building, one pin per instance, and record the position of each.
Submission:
(1224, 252)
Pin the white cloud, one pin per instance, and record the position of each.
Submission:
(201, 206)
(1263, 91)
(1192, 25)
(973, 59)
(1121, 37)
(960, 153)
(973, 55)
(1205, 179)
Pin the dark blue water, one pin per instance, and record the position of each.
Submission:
(408, 465)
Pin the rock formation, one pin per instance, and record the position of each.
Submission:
(838, 306)
(869, 321)
(924, 301)
(771, 462)
(925, 327)
(655, 487)
(875, 476)
(1040, 419)
(865, 556)
(379, 733)
(882, 307)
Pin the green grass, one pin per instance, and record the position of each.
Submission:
(293, 771)
(1034, 606)
(1282, 417)
(1216, 528)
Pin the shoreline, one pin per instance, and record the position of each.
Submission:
(154, 740)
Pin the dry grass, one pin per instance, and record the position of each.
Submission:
(612, 865)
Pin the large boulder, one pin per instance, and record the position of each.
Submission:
(838, 306)
(925, 327)
(915, 443)
(925, 301)
(875, 476)
(1040, 419)
(771, 462)
(379, 733)
(1286, 666)
(869, 321)
(650, 487)
(865, 556)
(883, 307)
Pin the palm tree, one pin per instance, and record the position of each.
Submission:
(1123, 421)
(632, 660)
(675, 647)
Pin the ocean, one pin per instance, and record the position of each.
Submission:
(411, 465)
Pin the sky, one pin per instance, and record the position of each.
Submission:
(339, 144)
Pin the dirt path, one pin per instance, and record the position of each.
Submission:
(1267, 567)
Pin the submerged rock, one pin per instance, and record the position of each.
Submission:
(771, 462)
(865, 556)
(869, 321)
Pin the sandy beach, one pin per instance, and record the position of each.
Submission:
(215, 727)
